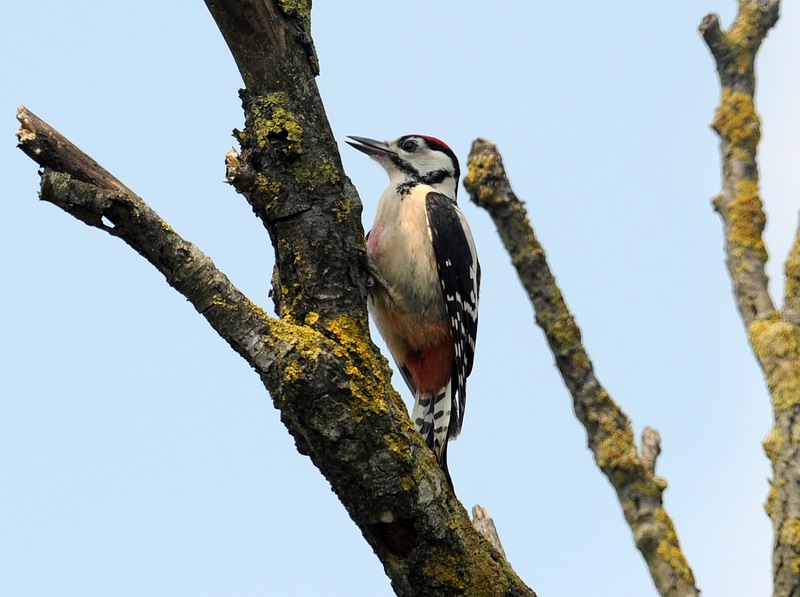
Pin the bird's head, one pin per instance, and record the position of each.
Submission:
(414, 159)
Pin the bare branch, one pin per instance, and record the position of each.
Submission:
(715, 39)
(651, 448)
(774, 336)
(739, 128)
(608, 429)
(51, 149)
(484, 524)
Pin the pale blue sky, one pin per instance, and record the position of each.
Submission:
(140, 456)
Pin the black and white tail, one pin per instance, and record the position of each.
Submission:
(431, 416)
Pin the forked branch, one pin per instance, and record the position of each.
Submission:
(315, 357)
(774, 335)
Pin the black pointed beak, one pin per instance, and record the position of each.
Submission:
(371, 147)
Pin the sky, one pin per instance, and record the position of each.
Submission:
(140, 456)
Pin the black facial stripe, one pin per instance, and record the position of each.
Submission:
(434, 177)
(404, 166)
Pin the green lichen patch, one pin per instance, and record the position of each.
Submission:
(275, 125)
(771, 505)
(774, 444)
(669, 549)
(219, 301)
(321, 173)
(299, 9)
(617, 452)
(649, 486)
(776, 344)
(270, 189)
(790, 537)
(444, 572)
(746, 218)
(792, 269)
(560, 327)
(341, 208)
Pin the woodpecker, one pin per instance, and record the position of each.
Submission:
(425, 281)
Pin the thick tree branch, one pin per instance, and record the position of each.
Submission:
(331, 387)
(289, 168)
(774, 336)
(316, 359)
(608, 429)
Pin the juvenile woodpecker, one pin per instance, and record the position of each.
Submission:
(426, 281)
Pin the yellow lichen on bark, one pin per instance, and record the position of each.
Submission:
(300, 9)
(776, 344)
(792, 270)
(271, 189)
(367, 373)
(669, 549)
(774, 444)
(445, 570)
(617, 452)
(771, 505)
(559, 324)
(746, 218)
(274, 121)
(744, 35)
(480, 170)
(737, 122)
(790, 536)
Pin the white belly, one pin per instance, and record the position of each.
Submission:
(400, 248)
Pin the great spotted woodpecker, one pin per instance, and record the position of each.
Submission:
(426, 281)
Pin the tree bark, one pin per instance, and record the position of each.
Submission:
(608, 428)
(774, 335)
(315, 357)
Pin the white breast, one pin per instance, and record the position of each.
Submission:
(401, 248)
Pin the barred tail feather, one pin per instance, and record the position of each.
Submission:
(431, 416)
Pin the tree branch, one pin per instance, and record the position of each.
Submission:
(774, 336)
(484, 524)
(316, 359)
(791, 306)
(738, 125)
(608, 429)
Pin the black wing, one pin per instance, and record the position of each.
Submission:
(460, 276)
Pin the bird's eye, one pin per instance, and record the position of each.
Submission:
(409, 145)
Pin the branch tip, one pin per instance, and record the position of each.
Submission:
(651, 448)
(484, 524)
